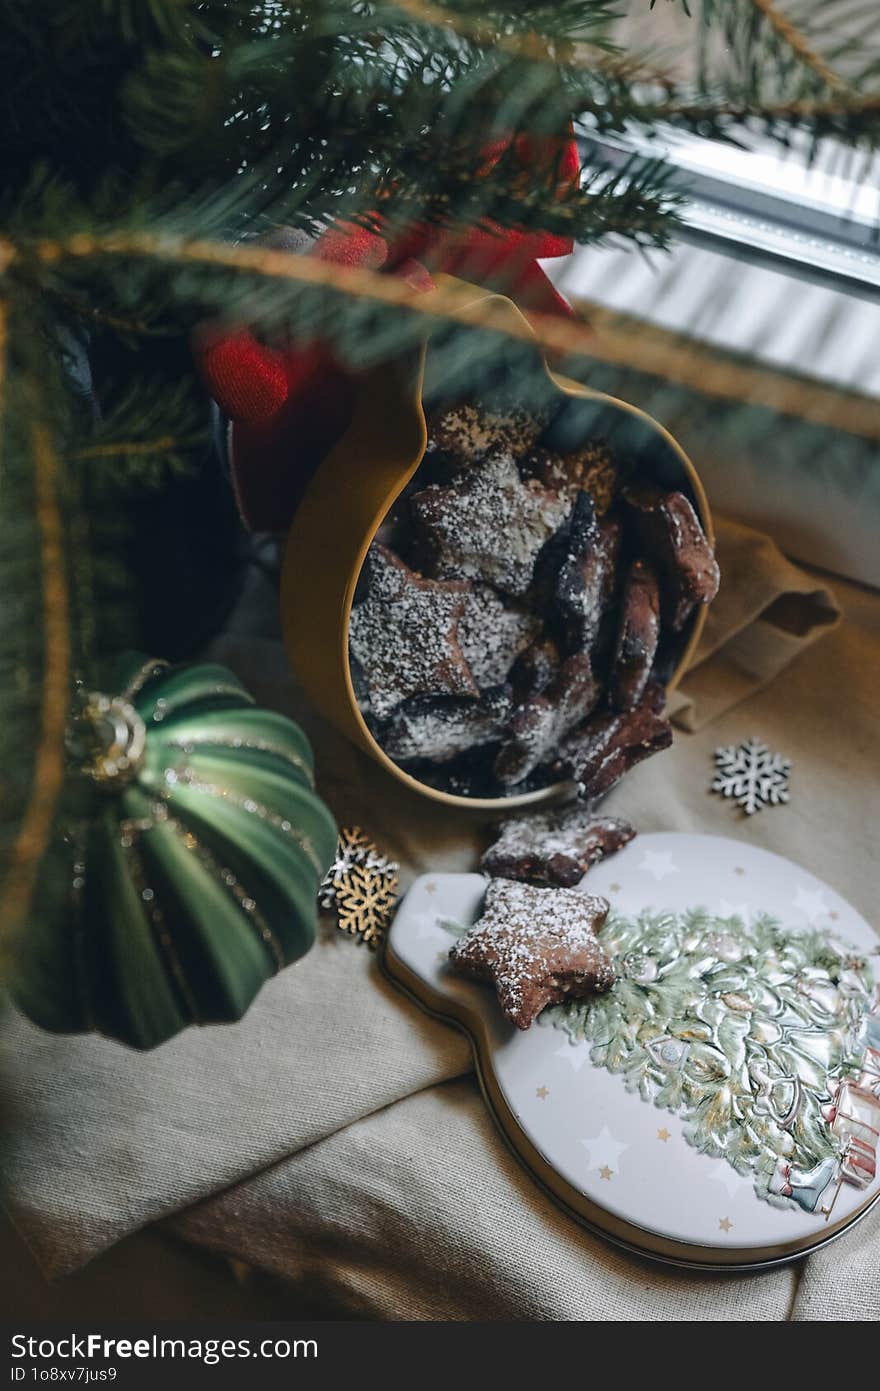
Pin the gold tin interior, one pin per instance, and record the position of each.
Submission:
(349, 497)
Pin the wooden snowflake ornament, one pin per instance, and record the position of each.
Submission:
(361, 887)
(753, 776)
(365, 899)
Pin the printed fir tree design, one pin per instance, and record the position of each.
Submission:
(747, 1032)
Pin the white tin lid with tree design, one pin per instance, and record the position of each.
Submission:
(720, 1106)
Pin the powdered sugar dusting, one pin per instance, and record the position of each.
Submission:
(442, 729)
(492, 634)
(538, 947)
(404, 635)
(468, 432)
(555, 847)
(489, 524)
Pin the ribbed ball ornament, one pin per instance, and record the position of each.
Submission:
(185, 868)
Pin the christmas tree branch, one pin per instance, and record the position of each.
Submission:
(165, 444)
(4, 350)
(49, 763)
(566, 52)
(450, 302)
(797, 42)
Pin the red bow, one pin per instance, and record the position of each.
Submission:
(289, 408)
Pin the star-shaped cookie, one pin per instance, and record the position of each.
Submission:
(489, 524)
(493, 634)
(404, 635)
(555, 847)
(536, 946)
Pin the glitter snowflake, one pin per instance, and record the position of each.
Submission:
(365, 900)
(352, 848)
(753, 776)
(360, 886)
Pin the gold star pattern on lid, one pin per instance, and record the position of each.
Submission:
(663, 1134)
(605, 1172)
(542, 1093)
(536, 946)
(725, 1224)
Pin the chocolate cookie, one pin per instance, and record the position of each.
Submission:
(591, 469)
(492, 634)
(606, 746)
(637, 638)
(441, 728)
(584, 581)
(537, 726)
(554, 848)
(489, 525)
(669, 532)
(538, 947)
(404, 635)
(535, 668)
(468, 431)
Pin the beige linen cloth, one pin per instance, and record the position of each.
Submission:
(336, 1135)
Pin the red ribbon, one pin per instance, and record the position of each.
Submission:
(289, 408)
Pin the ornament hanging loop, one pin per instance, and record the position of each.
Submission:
(108, 740)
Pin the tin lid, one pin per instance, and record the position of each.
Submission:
(747, 1034)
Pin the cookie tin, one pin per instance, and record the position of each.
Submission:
(358, 482)
(776, 1049)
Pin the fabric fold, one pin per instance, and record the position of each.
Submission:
(766, 613)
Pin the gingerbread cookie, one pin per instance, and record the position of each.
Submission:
(591, 469)
(667, 527)
(538, 947)
(404, 635)
(440, 728)
(492, 634)
(489, 525)
(556, 848)
(468, 432)
(537, 726)
(601, 750)
(584, 580)
(638, 637)
(535, 668)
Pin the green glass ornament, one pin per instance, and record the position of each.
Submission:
(187, 861)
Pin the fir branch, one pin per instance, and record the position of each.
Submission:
(49, 761)
(450, 302)
(530, 44)
(145, 141)
(797, 42)
(165, 444)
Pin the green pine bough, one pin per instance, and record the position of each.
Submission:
(147, 143)
(190, 850)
